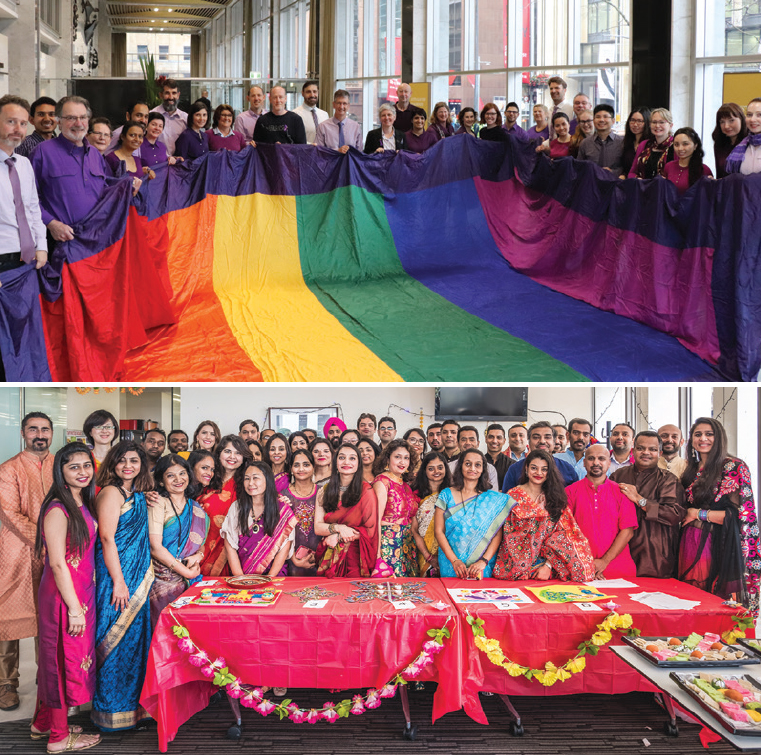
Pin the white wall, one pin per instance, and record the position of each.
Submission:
(228, 406)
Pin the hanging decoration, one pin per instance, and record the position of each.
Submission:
(218, 672)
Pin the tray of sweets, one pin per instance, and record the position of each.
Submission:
(734, 700)
(694, 651)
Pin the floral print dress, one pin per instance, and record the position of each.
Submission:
(398, 547)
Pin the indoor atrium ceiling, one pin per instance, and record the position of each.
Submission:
(168, 15)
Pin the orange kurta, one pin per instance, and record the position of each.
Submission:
(24, 481)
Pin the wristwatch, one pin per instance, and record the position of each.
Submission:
(642, 503)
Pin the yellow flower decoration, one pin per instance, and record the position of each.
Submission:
(576, 665)
(551, 673)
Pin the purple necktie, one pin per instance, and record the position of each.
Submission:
(314, 115)
(28, 247)
(341, 141)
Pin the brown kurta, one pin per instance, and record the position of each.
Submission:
(655, 543)
(24, 481)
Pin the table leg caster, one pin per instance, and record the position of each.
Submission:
(234, 732)
(671, 729)
(516, 728)
(409, 732)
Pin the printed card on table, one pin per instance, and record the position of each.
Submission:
(494, 595)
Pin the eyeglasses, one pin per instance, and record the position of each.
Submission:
(74, 118)
(659, 123)
(588, 120)
(104, 427)
(640, 121)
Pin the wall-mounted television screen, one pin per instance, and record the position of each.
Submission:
(474, 403)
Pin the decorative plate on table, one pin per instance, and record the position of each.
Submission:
(248, 580)
(695, 651)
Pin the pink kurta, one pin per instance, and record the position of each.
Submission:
(68, 663)
(24, 481)
(601, 513)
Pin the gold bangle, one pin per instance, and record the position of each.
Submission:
(76, 615)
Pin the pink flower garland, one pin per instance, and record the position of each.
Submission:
(253, 697)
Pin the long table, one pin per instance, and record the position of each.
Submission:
(342, 645)
(351, 645)
(533, 634)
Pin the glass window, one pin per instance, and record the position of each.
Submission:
(53, 402)
(10, 422)
(163, 52)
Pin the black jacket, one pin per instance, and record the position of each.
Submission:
(374, 140)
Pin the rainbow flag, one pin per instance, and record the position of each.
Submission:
(472, 262)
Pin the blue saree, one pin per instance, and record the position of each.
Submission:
(122, 638)
(184, 535)
(470, 527)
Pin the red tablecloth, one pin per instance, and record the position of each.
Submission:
(534, 634)
(343, 645)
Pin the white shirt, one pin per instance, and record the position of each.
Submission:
(9, 232)
(174, 124)
(305, 113)
(752, 161)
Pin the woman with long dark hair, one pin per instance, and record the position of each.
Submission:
(432, 477)
(297, 440)
(637, 129)
(231, 453)
(688, 167)
(415, 437)
(203, 466)
(718, 551)
(101, 430)
(540, 538)
(322, 451)
(123, 578)
(729, 132)
(258, 529)
(66, 531)
(745, 158)
(346, 517)
(277, 453)
(301, 496)
(397, 506)
(178, 529)
(368, 454)
(468, 520)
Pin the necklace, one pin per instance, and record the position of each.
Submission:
(255, 525)
(395, 477)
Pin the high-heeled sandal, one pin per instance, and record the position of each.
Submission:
(41, 734)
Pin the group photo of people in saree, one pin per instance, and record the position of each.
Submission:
(114, 502)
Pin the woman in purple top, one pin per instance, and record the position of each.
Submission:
(688, 167)
(194, 141)
(441, 123)
(541, 119)
(467, 120)
(730, 130)
(153, 150)
(123, 159)
(418, 139)
(66, 534)
(222, 135)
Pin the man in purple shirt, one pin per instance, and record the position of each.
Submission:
(580, 103)
(71, 175)
(44, 122)
(137, 112)
(175, 121)
(339, 132)
(245, 123)
(512, 113)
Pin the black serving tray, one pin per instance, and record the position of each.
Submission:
(728, 723)
(751, 659)
(746, 644)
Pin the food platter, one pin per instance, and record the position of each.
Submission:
(732, 713)
(694, 651)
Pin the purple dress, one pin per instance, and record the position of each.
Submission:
(303, 510)
(119, 167)
(66, 663)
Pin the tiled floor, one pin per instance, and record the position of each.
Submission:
(564, 725)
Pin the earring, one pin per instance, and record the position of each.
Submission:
(695, 454)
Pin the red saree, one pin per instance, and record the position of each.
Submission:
(357, 558)
(216, 504)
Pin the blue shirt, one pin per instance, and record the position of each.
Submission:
(578, 466)
(514, 474)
